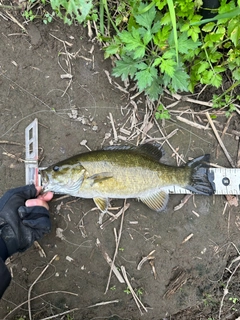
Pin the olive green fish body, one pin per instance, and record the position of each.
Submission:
(119, 172)
(128, 174)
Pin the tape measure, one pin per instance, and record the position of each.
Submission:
(226, 180)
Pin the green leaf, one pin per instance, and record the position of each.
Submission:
(155, 89)
(211, 77)
(186, 44)
(125, 67)
(216, 80)
(236, 74)
(157, 62)
(133, 42)
(145, 77)
(147, 37)
(146, 19)
(156, 27)
(168, 54)
(75, 9)
(168, 67)
(235, 35)
(162, 113)
(111, 50)
(194, 32)
(203, 66)
(209, 26)
(160, 4)
(180, 80)
(166, 19)
(219, 69)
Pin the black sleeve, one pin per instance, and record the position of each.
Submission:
(5, 277)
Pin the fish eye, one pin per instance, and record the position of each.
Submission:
(55, 168)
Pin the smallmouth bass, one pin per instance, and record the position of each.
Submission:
(121, 172)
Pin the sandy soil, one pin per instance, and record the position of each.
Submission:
(190, 274)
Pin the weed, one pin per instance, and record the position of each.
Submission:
(139, 291)
(162, 113)
(127, 290)
(113, 288)
(209, 300)
(162, 43)
(71, 10)
(234, 300)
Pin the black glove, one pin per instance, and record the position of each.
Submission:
(20, 226)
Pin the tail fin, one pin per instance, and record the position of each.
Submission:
(201, 181)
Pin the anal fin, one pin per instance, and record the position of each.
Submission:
(101, 203)
(156, 201)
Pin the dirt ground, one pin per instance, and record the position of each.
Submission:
(196, 248)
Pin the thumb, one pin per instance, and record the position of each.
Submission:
(37, 202)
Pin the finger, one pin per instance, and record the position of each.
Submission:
(36, 202)
(39, 189)
(47, 196)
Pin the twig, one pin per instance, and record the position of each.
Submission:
(135, 297)
(15, 20)
(39, 296)
(175, 152)
(109, 261)
(40, 249)
(125, 207)
(10, 142)
(115, 216)
(225, 291)
(144, 259)
(60, 314)
(191, 123)
(185, 98)
(30, 289)
(187, 238)
(223, 133)
(238, 156)
(220, 140)
(103, 303)
(183, 202)
(113, 127)
(3, 6)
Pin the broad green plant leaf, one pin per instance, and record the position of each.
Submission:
(146, 19)
(125, 67)
(145, 77)
(133, 42)
(74, 9)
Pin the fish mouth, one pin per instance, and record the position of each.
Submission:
(44, 179)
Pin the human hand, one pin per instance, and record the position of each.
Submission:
(24, 217)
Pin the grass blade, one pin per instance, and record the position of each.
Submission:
(174, 24)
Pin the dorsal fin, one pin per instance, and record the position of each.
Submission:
(152, 150)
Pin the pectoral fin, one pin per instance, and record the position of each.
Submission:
(157, 201)
(101, 203)
(99, 177)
